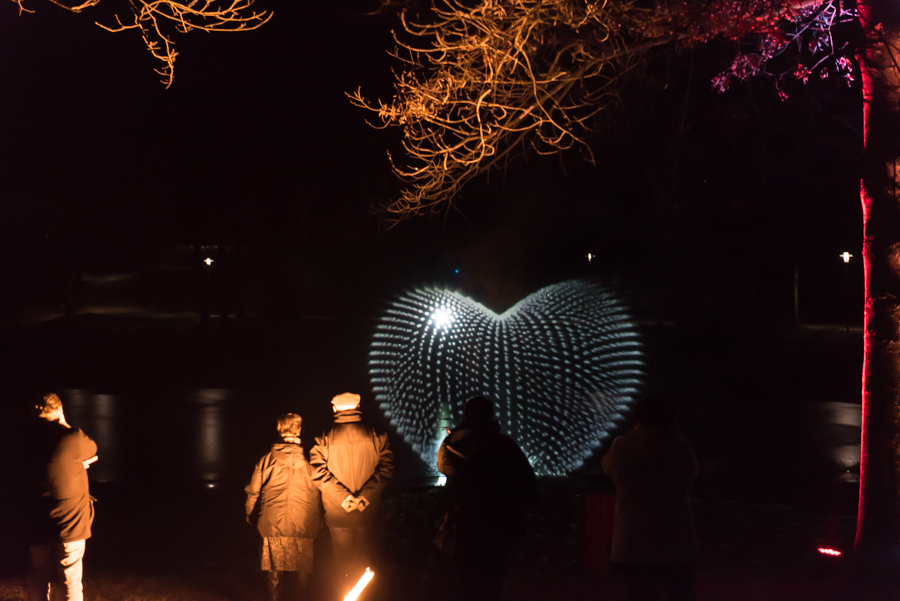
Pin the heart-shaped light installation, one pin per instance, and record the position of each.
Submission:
(561, 366)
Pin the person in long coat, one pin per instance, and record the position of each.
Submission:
(490, 488)
(654, 544)
(286, 508)
(353, 463)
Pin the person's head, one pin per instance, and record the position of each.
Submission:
(655, 409)
(50, 408)
(289, 425)
(343, 402)
(478, 411)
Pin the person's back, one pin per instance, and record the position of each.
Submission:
(352, 464)
(653, 469)
(288, 500)
(654, 544)
(352, 460)
(61, 510)
(284, 504)
(490, 487)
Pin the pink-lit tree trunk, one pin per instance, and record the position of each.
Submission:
(878, 525)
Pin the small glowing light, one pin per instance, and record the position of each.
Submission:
(441, 481)
(831, 552)
(456, 271)
(360, 585)
(591, 257)
(846, 256)
(441, 318)
(208, 261)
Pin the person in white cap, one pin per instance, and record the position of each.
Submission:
(352, 463)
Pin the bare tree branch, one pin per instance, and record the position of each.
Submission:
(486, 84)
(158, 19)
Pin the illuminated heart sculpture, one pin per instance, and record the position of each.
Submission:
(561, 366)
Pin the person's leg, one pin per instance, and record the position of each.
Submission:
(70, 569)
(353, 551)
(641, 581)
(481, 561)
(41, 572)
(273, 577)
(678, 582)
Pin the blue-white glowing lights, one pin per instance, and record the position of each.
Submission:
(561, 367)
(441, 318)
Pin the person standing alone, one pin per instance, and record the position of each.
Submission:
(352, 464)
(61, 510)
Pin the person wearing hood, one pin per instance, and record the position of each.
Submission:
(352, 463)
(284, 504)
(490, 488)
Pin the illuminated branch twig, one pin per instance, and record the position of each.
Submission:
(156, 19)
(484, 85)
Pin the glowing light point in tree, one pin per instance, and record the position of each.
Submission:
(562, 367)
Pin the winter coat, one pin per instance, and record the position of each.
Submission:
(653, 469)
(351, 459)
(281, 497)
(490, 483)
(62, 509)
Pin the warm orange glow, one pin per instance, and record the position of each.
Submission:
(355, 592)
(156, 19)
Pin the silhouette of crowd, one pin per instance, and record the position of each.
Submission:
(292, 499)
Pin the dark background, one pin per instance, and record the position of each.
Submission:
(701, 208)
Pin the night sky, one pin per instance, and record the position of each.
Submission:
(698, 201)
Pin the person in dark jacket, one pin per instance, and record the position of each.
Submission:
(490, 487)
(352, 463)
(284, 504)
(61, 508)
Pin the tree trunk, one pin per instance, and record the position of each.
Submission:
(878, 523)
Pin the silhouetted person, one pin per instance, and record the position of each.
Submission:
(352, 464)
(284, 504)
(61, 509)
(654, 544)
(490, 487)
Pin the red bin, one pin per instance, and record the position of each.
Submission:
(597, 518)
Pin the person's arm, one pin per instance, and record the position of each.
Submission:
(253, 489)
(324, 480)
(384, 471)
(607, 462)
(87, 449)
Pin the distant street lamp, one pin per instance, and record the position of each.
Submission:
(591, 257)
(846, 257)
(208, 261)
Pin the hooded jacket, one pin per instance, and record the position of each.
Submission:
(351, 459)
(281, 497)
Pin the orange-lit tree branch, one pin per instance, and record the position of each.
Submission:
(157, 20)
(481, 86)
(503, 79)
